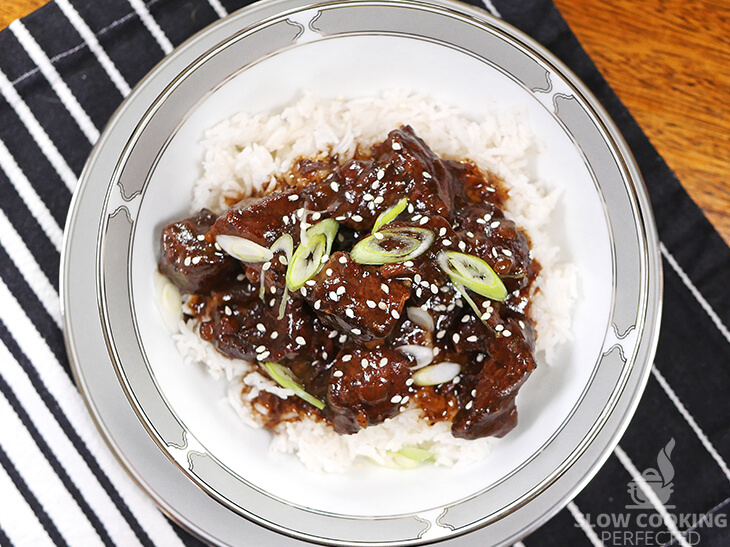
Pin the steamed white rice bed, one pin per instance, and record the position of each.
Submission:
(244, 156)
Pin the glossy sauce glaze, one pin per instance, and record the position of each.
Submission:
(355, 335)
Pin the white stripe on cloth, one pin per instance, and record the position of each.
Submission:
(17, 519)
(691, 421)
(70, 404)
(490, 7)
(650, 495)
(37, 132)
(67, 455)
(42, 480)
(54, 78)
(90, 38)
(695, 292)
(149, 22)
(584, 524)
(30, 197)
(218, 8)
(29, 269)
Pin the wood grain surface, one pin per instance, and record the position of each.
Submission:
(668, 61)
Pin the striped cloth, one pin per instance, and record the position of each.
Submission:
(63, 71)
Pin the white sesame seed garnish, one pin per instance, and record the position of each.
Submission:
(481, 357)
(260, 327)
(328, 272)
(334, 297)
(338, 374)
(260, 349)
(499, 328)
(384, 361)
(217, 246)
(494, 224)
(456, 338)
(227, 310)
(382, 305)
(469, 405)
(396, 399)
(378, 200)
(273, 289)
(317, 304)
(364, 362)
(342, 339)
(370, 304)
(200, 237)
(196, 259)
(423, 221)
(396, 146)
(285, 220)
(343, 259)
(446, 243)
(316, 216)
(395, 314)
(274, 335)
(341, 290)
(310, 282)
(357, 218)
(325, 258)
(409, 382)
(440, 334)
(381, 173)
(347, 357)
(356, 331)
(506, 252)
(349, 313)
(378, 236)
(481, 221)
(485, 316)
(332, 333)
(262, 356)
(187, 261)
(340, 218)
(240, 277)
(408, 264)
(472, 338)
(335, 187)
(300, 340)
(293, 197)
(266, 266)
(368, 197)
(462, 246)
(384, 288)
(436, 351)
(434, 288)
(303, 291)
(375, 185)
(426, 175)
(506, 333)
(411, 208)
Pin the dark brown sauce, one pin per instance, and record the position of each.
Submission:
(341, 332)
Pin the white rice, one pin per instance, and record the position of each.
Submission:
(245, 154)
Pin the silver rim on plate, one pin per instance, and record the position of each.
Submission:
(110, 363)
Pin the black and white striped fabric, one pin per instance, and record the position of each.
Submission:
(63, 71)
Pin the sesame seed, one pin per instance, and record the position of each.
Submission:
(196, 259)
(293, 197)
(436, 351)
(409, 382)
(378, 236)
(335, 187)
(260, 327)
(417, 278)
(187, 261)
(472, 338)
(419, 292)
(342, 339)
(382, 305)
(396, 146)
(332, 333)
(446, 243)
(469, 405)
(494, 224)
(411, 208)
(381, 173)
(325, 355)
(274, 335)
(481, 357)
(396, 399)
(470, 234)
(408, 264)
(506, 252)
(325, 258)
(384, 288)
(328, 272)
(273, 289)
(423, 221)
(364, 362)
(317, 304)
(456, 338)
(404, 400)
(227, 310)
(395, 314)
(499, 328)
(240, 277)
(343, 259)
(217, 246)
(465, 319)
(262, 356)
(285, 220)
(260, 349)
(340, 218)
(272, 302)
(426, 175)
(266, 266)
(303, 291)
(338, 374)
(341, 290)
(481, 221)
(378, 200)
(462, 246)
(368, 197)
(375, 185)
(349, 313)
(310, 283)
(440, 334)
(300, 340)
(334, 297)
(434, 288)
(485, 316)
(200, 237)
(456, 380)
(347, 357)
(316, 216)
(357, 218)
(384, 361)
(370, 304)
(506, 333)
(356, 331)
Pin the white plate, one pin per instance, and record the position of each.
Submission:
(164, 420)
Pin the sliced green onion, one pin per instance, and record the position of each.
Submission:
(244, 249)
(408, 457)
(439, 373)
(168, 301)
(329, 228)
(306, 261)
(285, 244)
(286, 379)
(392, 246)
(390, 214)
(473, 273)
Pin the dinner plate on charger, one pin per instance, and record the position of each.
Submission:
(165, 420)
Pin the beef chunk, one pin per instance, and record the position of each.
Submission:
(356, 300)
(191, 262)
(366, 388)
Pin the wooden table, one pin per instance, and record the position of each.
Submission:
(669, 62)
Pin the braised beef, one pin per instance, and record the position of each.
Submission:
(347, 334)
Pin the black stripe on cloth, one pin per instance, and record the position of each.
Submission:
(562, 529)
(36, 312)
(83, 74)
(179, 20)
(28, 228)
(186, 537)
(125, 39)
(712, 528)
(34, 164)
(55, 464)
(70, 432)
(697, 371)
(51, 114)
(40, 513)
(21, 65)
(4, 539)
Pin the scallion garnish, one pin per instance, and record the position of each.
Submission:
(244, 249)
(307, 260)
(390, 214)
(473, 273)
(286, 379)
(392, 245)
